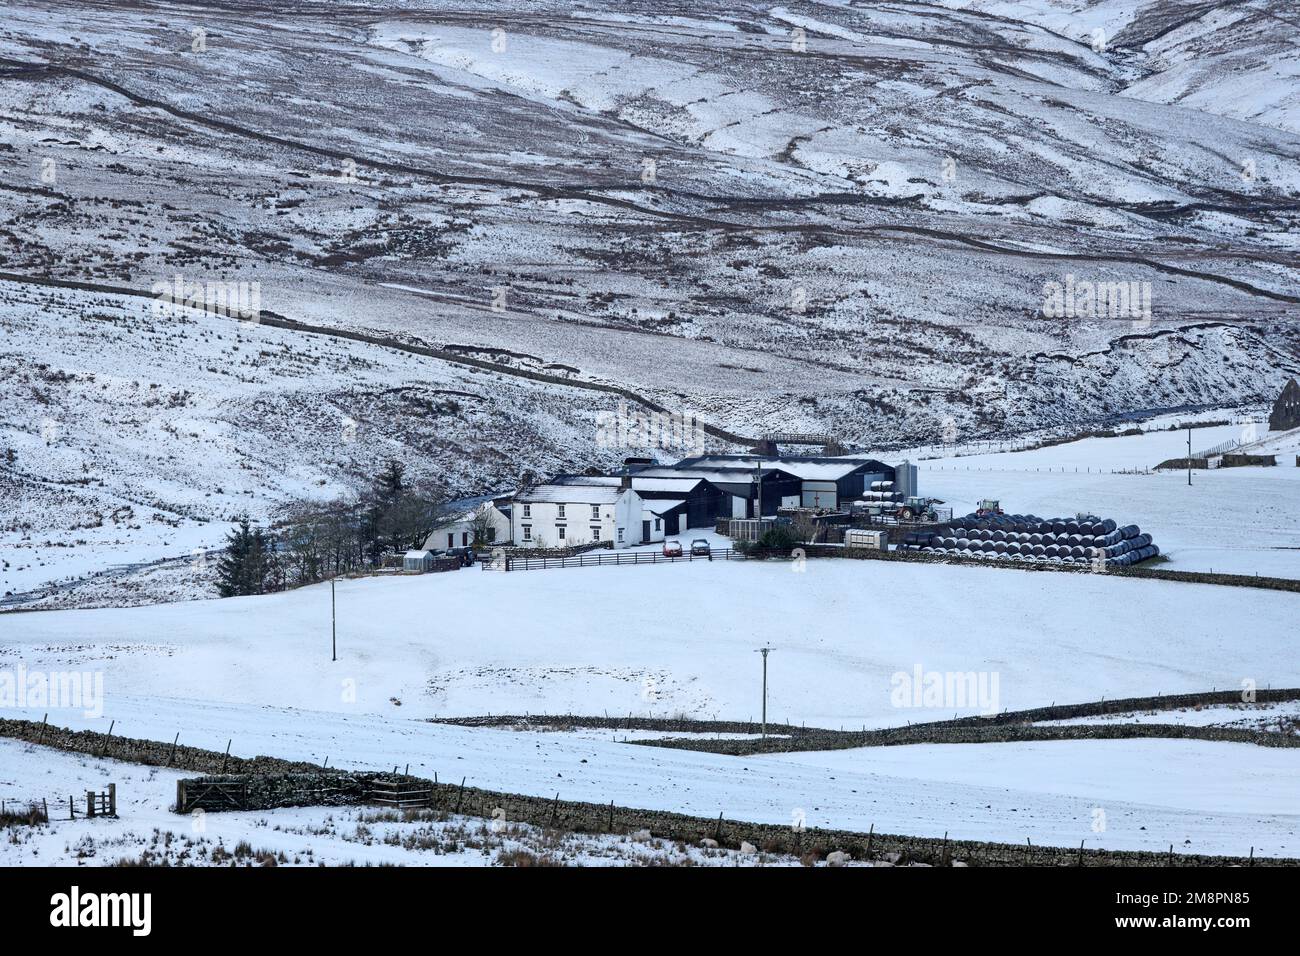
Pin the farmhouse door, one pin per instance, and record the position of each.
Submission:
(645, 531)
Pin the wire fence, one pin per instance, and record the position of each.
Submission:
(1057, 470)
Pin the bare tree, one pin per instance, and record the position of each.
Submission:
(482, 526)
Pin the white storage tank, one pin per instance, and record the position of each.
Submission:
(905, 478)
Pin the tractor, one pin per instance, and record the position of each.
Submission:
(988, 507)
(915, 508)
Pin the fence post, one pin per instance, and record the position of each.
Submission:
(112, 799)
(104, 745)
(90, 803)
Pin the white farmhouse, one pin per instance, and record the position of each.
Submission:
(493, 516)
(563, 516)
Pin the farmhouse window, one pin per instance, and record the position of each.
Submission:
(595, 512)
(528, 532)
(656, 524)
(451, 540)
(528, 511)
(595, 534)
(559, 530)
(559, 513)
(620, 535)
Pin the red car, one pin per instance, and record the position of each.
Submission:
(672, 549)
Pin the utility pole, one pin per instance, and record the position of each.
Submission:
(764, 651)
(334, 631)
(758, 483)
(1189, 456)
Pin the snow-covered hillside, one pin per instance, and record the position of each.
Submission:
(812, 215)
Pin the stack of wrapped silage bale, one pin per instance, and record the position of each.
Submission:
(1085, 539)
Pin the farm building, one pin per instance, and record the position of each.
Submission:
(678, 503)
(566, 515)
(1286, 410)
(788, 481)
(744, 485)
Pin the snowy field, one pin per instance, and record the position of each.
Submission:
(1239, 520)
(1281, 717)
(146, 831)
(677, 639)
(1152, 793)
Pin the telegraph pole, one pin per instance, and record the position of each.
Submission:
(764, 651)
(334, 631)
(1189, 456)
